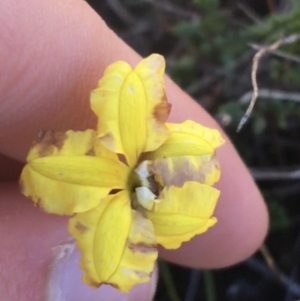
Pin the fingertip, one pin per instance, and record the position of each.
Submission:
(10, 169)
(64, 281)
(41, 259)
(241, 211)
(27, 235)
(72, 48)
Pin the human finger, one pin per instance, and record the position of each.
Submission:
(10, 169)
(40, 261)
(76, 50)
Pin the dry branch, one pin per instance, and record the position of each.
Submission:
(271, 94)
(264, 50)
(261, 174)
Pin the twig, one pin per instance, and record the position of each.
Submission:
(274, 175)
(264, 50)
(289, 295)
(273, 266)
(248, 12)
(264, 270)
(270, 260)
(271, 94)
(140, 29)
(278, 53)
(217, 73)
(121, 11)
(171, 8)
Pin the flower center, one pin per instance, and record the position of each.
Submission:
(145, 190)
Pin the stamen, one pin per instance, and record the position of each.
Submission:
(145, 197)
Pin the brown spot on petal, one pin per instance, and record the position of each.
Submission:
(94, 284)
(213, 163)
(142, 247)
(142, 274)
(162, 111)
(91, 153)
(37, 202)
(46, 140)
(80, 227)
(178, 170)
(111, 284)
(51, 138)
(154, 186)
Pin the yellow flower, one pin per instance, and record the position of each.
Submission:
(133, 183)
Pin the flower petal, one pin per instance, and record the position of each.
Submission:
(183, 213)
(101, 235)
(63, 179)
(132, 107)
(50, 143)
(178, 170)
(151, 71)
(117, 244)
(188, 139)
(139, 255)
(187, 155)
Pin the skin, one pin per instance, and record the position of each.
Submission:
(52, 54)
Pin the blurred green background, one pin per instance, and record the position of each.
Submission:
(208, 45)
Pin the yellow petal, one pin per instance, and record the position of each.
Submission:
(187, 155)
(101, 235)
(132, 107)
(62, 179)
(117, 244)
(151, 71)
(50, 143)
(137, 263)
(178, 170)
(183, 213)
(103, 152)
(188, 139)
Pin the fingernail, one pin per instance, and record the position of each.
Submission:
(64, 281)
